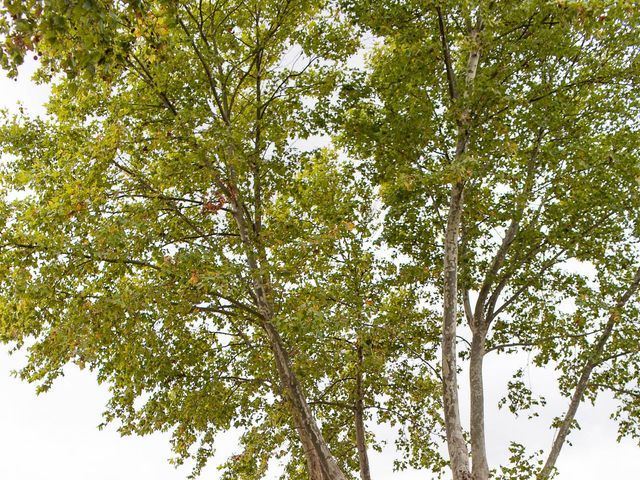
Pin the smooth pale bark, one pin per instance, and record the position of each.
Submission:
(480, 464)
(583, 381)
(361, 437)
(480, 323)
(456, 444)
(479, 326)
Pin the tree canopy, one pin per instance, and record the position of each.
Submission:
(301, 219)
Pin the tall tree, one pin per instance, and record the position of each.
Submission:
(157, 236)
(503, 138)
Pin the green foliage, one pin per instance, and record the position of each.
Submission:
(550, 169)
(166, 210)
(521, 466)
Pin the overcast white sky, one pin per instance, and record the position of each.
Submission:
(54, 436)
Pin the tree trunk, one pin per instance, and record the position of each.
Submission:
(480, 466)
(456, 444)
(321, 463)
(361, 439)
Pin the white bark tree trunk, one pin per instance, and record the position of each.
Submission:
(456, 444)
(480, 469)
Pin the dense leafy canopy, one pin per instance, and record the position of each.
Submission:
(237, 223)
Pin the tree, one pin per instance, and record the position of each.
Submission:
(164, 229)
(502, 138)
